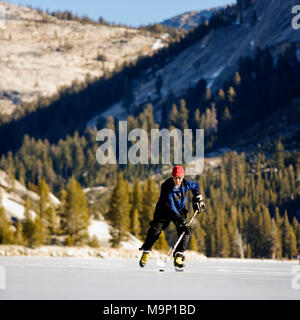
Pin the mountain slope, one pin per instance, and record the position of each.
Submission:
(190, 20)
(215, 57)
(41, 53)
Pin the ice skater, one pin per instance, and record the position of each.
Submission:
(171, 207)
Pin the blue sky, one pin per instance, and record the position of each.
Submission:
(130, 12)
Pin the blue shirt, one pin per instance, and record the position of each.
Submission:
(173, 199)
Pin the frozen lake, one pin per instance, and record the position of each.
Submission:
(122, 279)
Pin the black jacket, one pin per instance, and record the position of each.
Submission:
(172, 200)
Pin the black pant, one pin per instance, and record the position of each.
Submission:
(160, 223)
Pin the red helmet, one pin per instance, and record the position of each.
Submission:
(177, 171)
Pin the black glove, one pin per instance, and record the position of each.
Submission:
(181, 226)
(184, 228)
(198, 203)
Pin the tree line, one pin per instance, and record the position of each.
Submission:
(76, 155)
(73, 156)
(252, 209)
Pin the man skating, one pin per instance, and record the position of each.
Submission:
(171, 207)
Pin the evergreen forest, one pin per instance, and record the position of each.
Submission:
(252, 196)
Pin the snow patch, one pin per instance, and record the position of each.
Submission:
(12, 207)
(54, 199)
(14, 195)
(165, 36)
(210, 83)
(99, 189)
(100, 229)
(158, 44)
(131, 243)
(216, 74)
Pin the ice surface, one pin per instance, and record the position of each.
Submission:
(123, 279)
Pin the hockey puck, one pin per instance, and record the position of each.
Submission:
(161, 270)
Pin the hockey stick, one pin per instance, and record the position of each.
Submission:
(162, 262)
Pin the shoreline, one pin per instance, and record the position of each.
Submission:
(104, 252)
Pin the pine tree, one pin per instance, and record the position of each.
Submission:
(279, 222)
(43, 191)
(237, 79)
(266, 246)
(279, 155)
(232, 228)
(225, 245)
(200, 234)
(149, 201)
(173, 114)
(119, 212)
(231, 94)
(222, 245)
(6, 235)
(52, 220)
(209, 237)
(78, 156)
(29, 226)
(289, 244)
(135, 225)
(226, 115)
(38, 236)
(213, 249)
(69, 242)
(136, 208)
(276, 241)
(110, 123)
(18, 237)
(132, 123)
(75, 219)
(47, 212)
(211, 122)
(207, 95)
(197, 119)
(183, 115)
(221, 95)
(253, 236)
(296, 226)
(11, 171)
(249, 251)
(146, 118)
